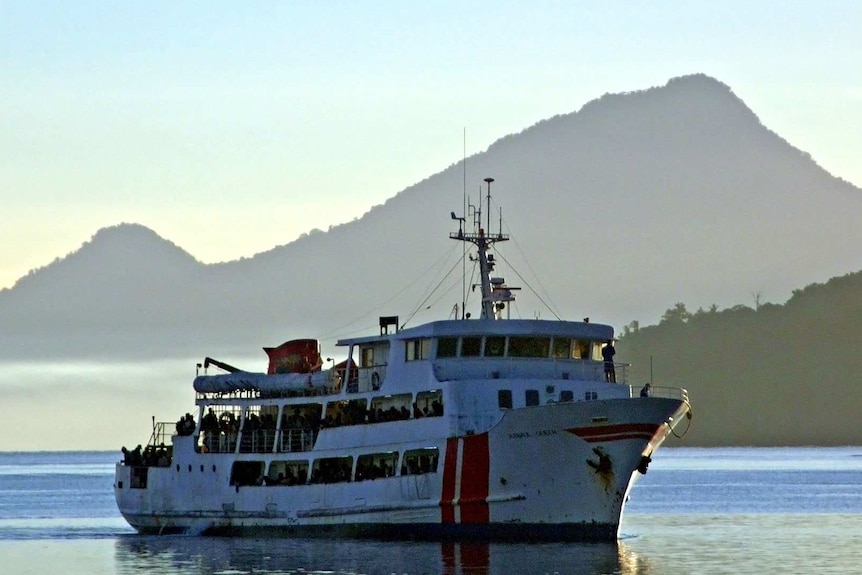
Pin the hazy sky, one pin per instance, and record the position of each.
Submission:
(230, 128)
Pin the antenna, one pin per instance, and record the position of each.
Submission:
(488, 227)
(495, 293)
(464, 246)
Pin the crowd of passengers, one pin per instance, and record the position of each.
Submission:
(356, 414)
(353, 414)
(331, 471)
(288, 477)
(328, 471)
(418, 466)
(227, 424)
(375, 470)
(338, 471)
(149, 456)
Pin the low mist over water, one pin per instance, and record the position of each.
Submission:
(73, 406)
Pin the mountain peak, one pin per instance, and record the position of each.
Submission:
(125, 230)
(133, 239)
(695, 95)
(699, 80)
(125, 248)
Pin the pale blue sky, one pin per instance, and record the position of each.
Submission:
(230, 128)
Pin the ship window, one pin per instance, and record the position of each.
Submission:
(495, 346)
(390, 408)
(303, 415)
(287, 473)
(430, 403)
(367, 357)
(447, 347)
(471, 346)
(247, 473)
(357, 411)
(597, 350)
(418, 349)
(419, 461)
(567, 395)
(504, 398)
(532, 397)
(335, 414)
(332, 470)
(562, 348)
(139, 477)
(345, 412)
(581, 349)
(529, 346)
(376, 465)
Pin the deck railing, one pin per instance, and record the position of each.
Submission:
(212, 442)
(259, 441)
(296, 439)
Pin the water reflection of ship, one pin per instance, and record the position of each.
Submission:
(211, 555)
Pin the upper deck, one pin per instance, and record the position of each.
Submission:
(447, 350)
(480, 327)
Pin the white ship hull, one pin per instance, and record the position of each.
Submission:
(488, 428)
(552, 472)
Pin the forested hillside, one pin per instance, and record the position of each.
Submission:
(774, 375)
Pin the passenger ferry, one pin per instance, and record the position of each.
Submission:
(467, 428)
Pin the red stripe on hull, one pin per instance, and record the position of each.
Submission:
(475, 468)
(618, 437)
(450, 466)
(598, 433)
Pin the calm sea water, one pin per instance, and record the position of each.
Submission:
(696, 511)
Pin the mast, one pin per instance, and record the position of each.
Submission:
(494, 291)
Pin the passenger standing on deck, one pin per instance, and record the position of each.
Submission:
(608, 353)
(210, 427)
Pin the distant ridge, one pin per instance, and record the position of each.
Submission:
(636, 201)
